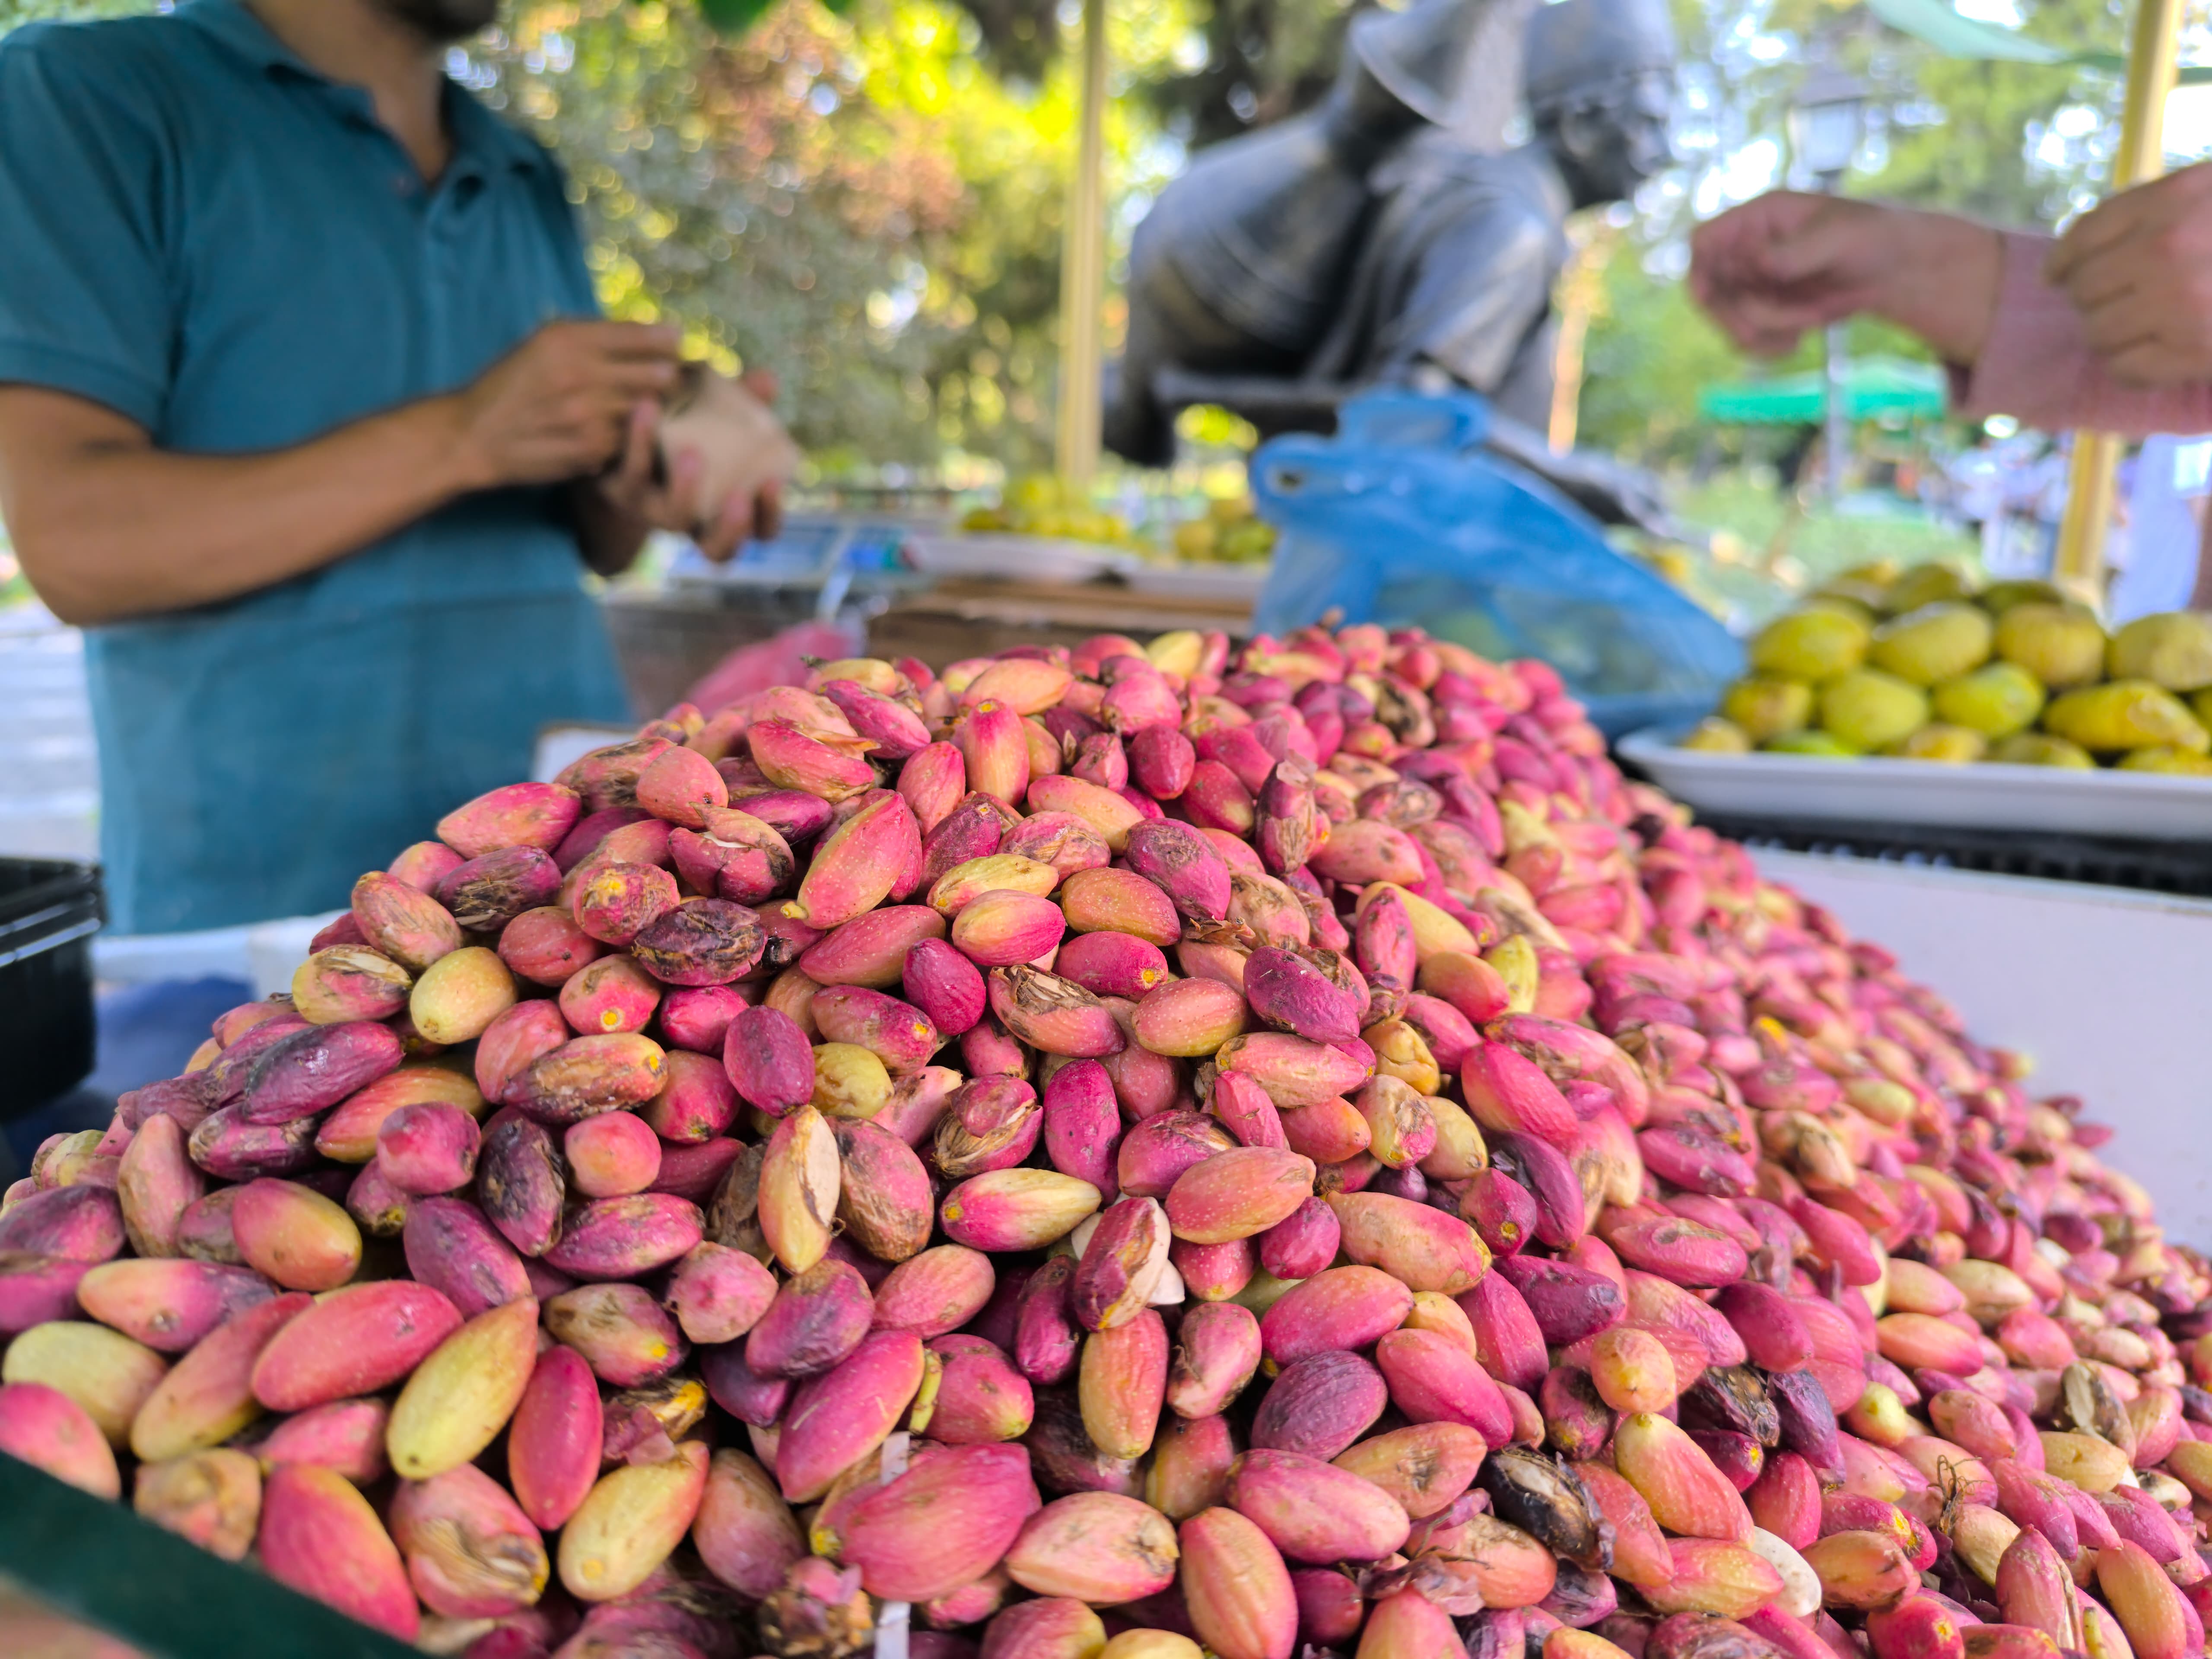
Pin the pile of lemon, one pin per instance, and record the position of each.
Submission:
(1038, 504)
(1229, 533)
(1919, 665)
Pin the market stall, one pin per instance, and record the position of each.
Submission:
(1072, 1123)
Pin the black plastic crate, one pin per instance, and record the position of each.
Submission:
(2154, 867)
(50, 908)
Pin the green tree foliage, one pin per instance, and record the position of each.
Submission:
(756, 189)
(2016, 144)
(1649, 350)
(1249, 62)
(861, 204)
(16, 12)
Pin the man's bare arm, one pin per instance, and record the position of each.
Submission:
(1785, 263)
(109, 526)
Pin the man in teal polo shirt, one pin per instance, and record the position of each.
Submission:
(306, 416)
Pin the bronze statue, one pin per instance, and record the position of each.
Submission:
(1366, 244)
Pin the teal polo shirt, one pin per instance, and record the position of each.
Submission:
(201, 233)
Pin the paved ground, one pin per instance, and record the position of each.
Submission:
(49, 779)
(49, 808)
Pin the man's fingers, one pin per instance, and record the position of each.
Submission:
(2147, 363)
(768, 511)
(1726, 251)
(1743, 243)
(2115, 327)
(2129, 268)
(2086, 239)
(1813, 250)
(1769, 326)
(633, 474)
(2104, 228)
(588, 412)
(2104, 280)
(729, 527)
(1759, 268)
(660, 340)
(629, 378)
(678, 506)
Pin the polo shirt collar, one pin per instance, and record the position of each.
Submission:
(482, 137)
(482, 142)
(238, 28)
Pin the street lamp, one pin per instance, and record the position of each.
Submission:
(1825, 121)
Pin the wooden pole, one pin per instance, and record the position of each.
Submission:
(1083, 274)
(1582, 291)
(2079, 566)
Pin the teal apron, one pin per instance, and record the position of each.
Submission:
(217, 242)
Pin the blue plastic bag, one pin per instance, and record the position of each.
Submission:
(1401, 520)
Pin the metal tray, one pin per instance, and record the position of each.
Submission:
(2135, 806)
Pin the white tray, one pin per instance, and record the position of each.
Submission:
(1006, 557)
(1228, 582)
(2140, 805)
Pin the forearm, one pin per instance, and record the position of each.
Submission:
(2037, 364)
(1941, 279)
(108, 526)
(1788, 262)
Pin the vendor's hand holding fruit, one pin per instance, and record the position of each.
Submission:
(583, 400)
(2108, 327)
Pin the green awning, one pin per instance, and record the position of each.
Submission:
(1873, 388)
(1935, 22)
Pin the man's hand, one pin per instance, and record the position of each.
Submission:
(559, 406)
(676, 499)
(2139, 269)
(1788, 262)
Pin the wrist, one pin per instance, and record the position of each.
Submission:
(454, 456)
(1944, 278)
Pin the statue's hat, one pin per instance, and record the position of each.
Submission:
(1574, 43)
(1416, 54)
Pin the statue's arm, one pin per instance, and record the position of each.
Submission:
(1482, 285)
